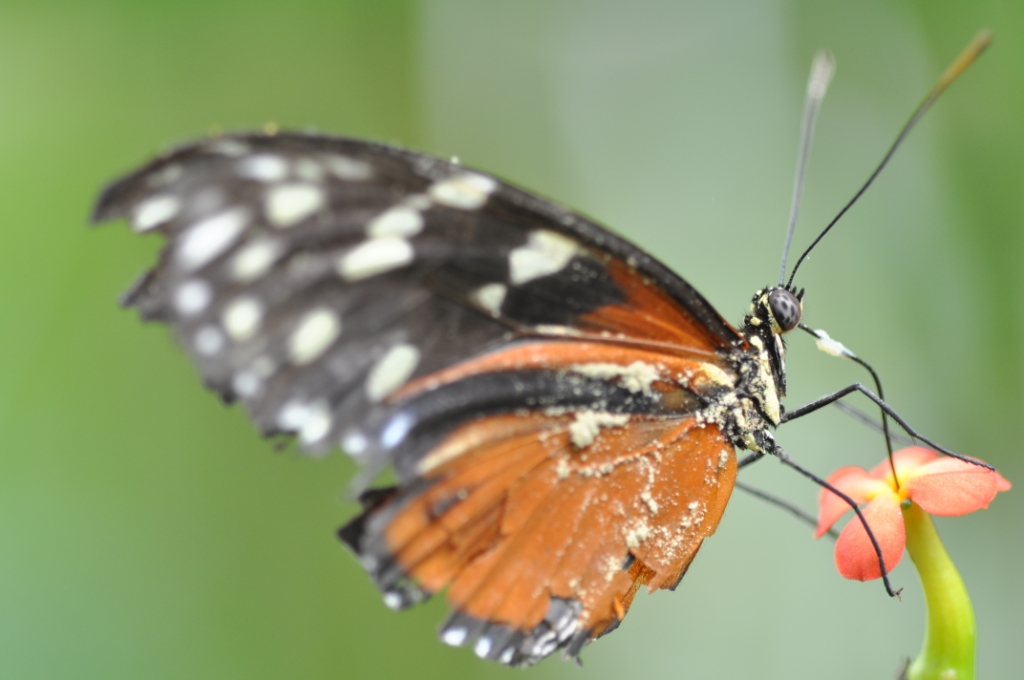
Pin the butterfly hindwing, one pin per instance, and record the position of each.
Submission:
(542, 543)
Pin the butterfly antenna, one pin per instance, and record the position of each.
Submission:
(966, 58)
(822, 69)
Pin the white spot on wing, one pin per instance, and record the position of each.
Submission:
(317, 424)
(354, 442)
(348, 169)
(263, 167)
(375, 256)
(207, 239)
(545, 252)
(308, 169)
(391, 371)
(246, 384)
(155, 211)
(255, 259)
(545, 644)
(454, 636)
(192, 297)
(165, 176)
(288, 204)
(467, 191)
(490, 297)
(242, 318)
(316, 332)
(209, 341)
(396, 429)
(399, 221)
(482, 647)
(228, 147)
(293, 415)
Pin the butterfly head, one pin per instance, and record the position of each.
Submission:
(774, 311)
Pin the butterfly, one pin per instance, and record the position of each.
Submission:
(559, 410)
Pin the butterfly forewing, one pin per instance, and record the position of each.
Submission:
(534, 379)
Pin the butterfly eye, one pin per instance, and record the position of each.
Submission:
(785, 308)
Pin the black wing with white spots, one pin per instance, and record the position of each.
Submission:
(310, 277)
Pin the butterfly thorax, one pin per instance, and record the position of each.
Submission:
(753, 405)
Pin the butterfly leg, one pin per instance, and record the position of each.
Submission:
(875, 424)
(774, 449)
(752, 458)
(786, 460)
(857, 387)
(770, 447)
(783, 504)
(772, 499)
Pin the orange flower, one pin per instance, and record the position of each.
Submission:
(940, 486)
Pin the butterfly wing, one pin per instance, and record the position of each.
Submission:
(438, 320)
(543, 544)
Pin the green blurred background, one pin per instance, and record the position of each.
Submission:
(148, 532)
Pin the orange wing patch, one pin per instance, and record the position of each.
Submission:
(524, 521)
(650, 314)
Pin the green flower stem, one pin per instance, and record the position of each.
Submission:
(948, 650)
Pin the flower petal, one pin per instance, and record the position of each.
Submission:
(905, 460)
(856, 483)
(855, 555)
(950, 487)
